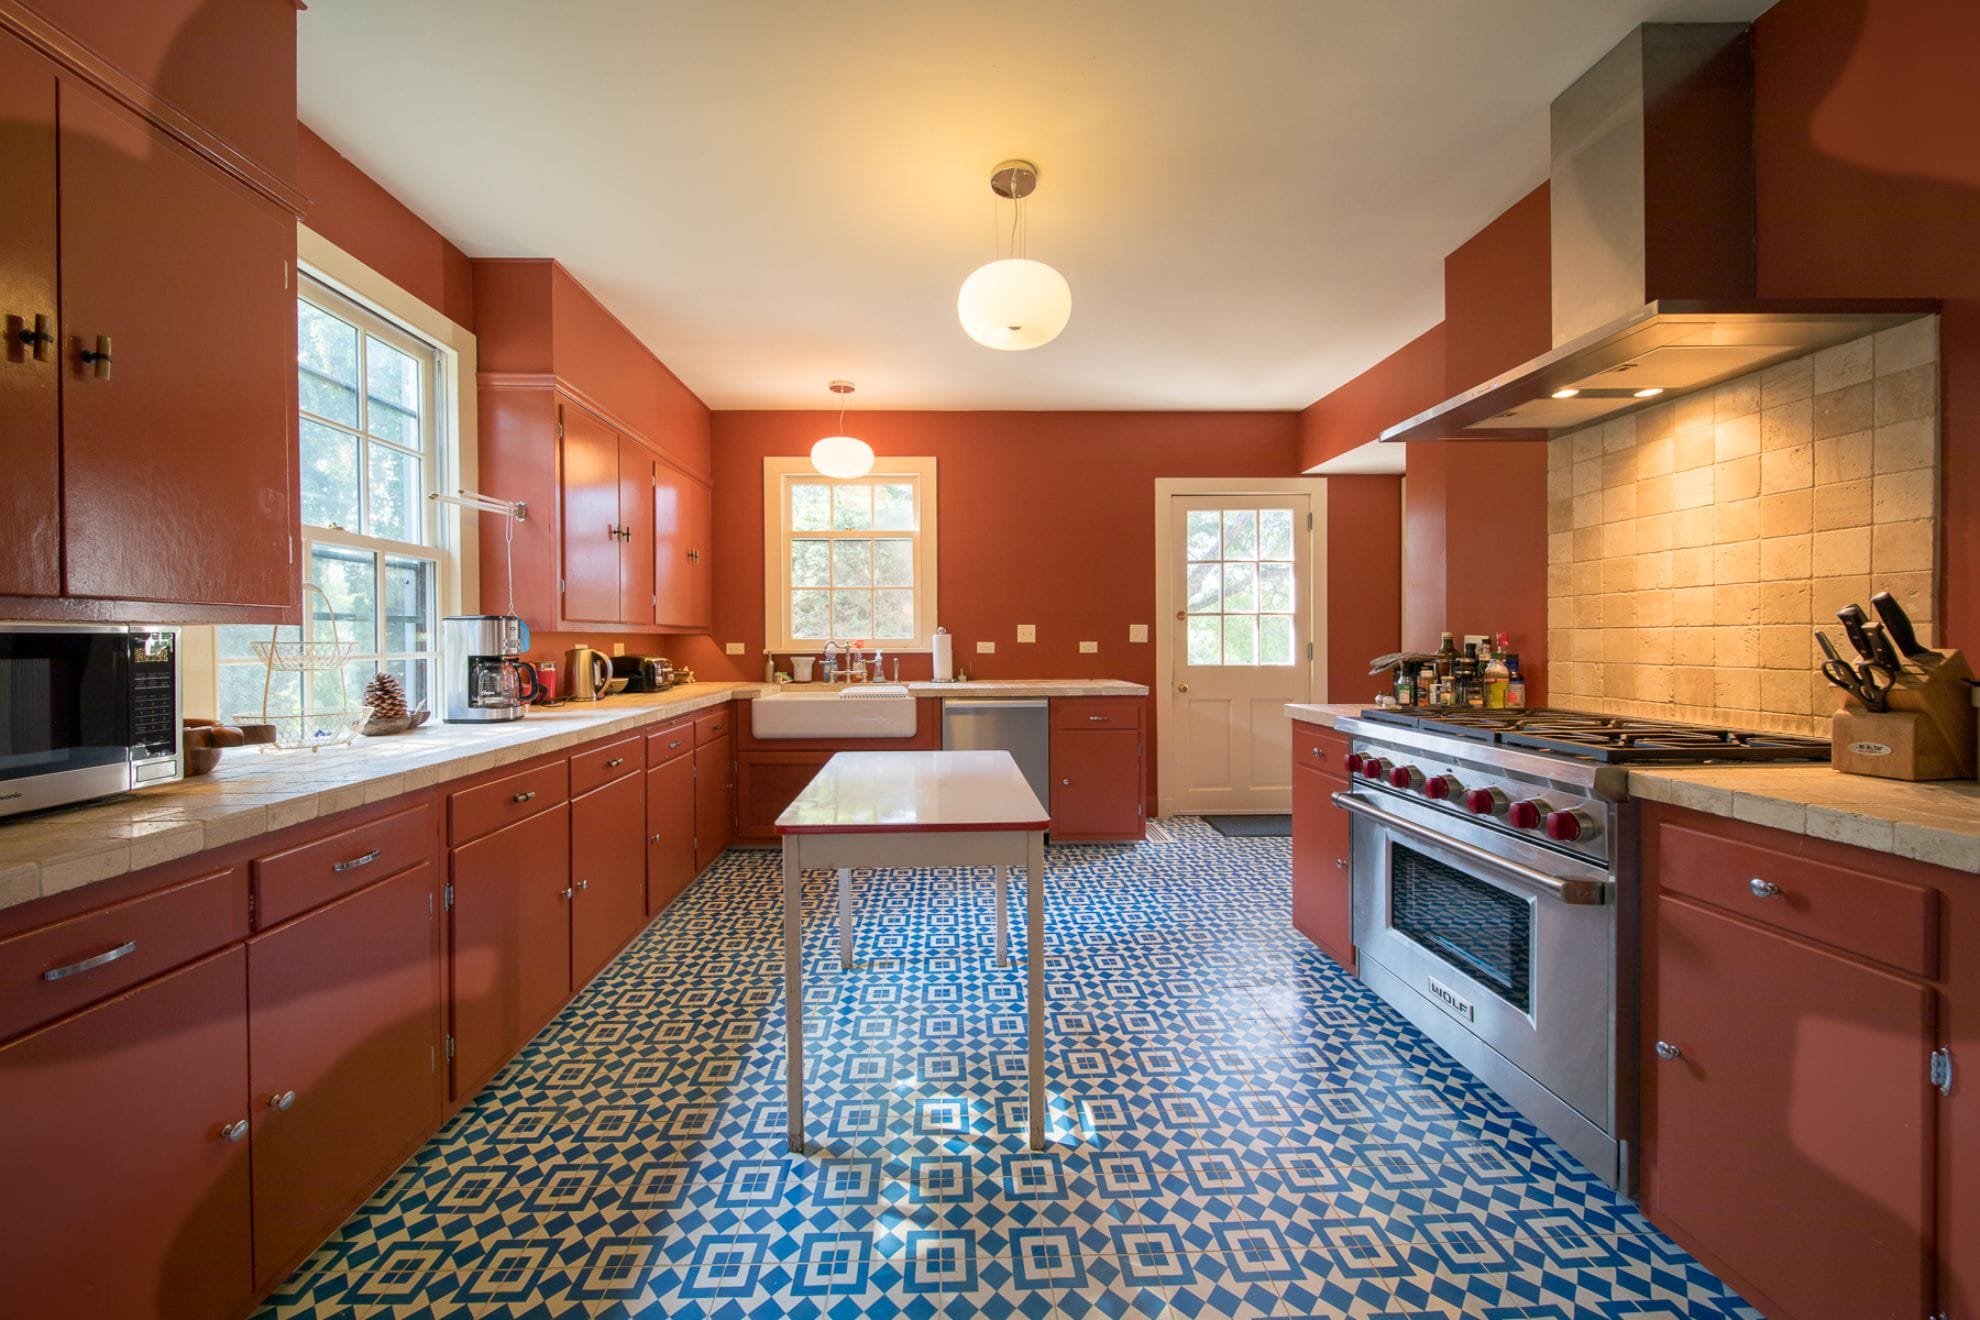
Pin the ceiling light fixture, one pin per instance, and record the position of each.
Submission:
(1650, 393)
(1014, 303)
(1567, 393)
(842, 456)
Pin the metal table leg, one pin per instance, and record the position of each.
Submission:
(1002, 898)
(1034, 976)
(845, 917)
(794, 991)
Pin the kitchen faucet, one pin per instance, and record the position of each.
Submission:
(832, 661)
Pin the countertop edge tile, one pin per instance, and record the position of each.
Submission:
(1323, 714)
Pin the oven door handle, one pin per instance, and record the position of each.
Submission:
(1574, 893)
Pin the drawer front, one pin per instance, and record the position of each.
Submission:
(1097, 713)
(712, 725)
(101, 953)
(1319, 749)
(308, 876)
(674, 740)
(1890, 921)
(473, 812)
(601, 765)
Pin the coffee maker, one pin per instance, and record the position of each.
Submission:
(485, 678)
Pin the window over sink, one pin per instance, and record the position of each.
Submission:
(849, 560)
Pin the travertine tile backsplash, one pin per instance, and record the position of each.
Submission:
(1693, 547)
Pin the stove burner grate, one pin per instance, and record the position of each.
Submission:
(1612, 739)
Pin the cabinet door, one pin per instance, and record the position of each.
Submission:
(674, 496)
(636, 552)
(590, 472)
(1096, 784)
(124, 1196)
(1792, 1138)
(1322, 886)
(30, 422)
(178, 468)
(608, 871)
(700, 502)
(344, 1028)
(511, 931)
(767, 782)
(714, 799)
(670, 859)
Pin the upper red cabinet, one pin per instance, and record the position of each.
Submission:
(30, 425)
(683, 522)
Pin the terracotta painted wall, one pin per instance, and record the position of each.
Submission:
(351, 210)
(1868, 173)
(1398, 387)
(1498, 305)
(1364, 581)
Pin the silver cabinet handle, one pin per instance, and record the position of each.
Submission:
(281, 1102)
(524, 797)
(1340, 863)
(672, 745)
(615, 763)
(1763, 888)
(584, 884)
(234, 1131)
(95, 960)
(356, 862)
(1099, 719)
(654, 839)
(1667, 1051)
(569, 892)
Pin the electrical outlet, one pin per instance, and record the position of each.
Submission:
(618, 648)
(1089, 648)
(986, 648)
(733, 648)
(1027, 632)
(1137, 632)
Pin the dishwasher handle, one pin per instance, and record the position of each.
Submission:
(965, 706)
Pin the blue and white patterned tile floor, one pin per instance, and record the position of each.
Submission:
(1238, 1128)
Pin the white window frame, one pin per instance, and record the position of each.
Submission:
(778, 476)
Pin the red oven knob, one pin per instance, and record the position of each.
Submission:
(1570, 826)
(1374, 767)
(1442, 788)
(1526, 815)
(1405, 776)
(1353, 762)
(1484, 802)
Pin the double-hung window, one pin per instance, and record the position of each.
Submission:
(369, 454)
(849, 561)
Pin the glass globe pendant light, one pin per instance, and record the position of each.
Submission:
(1014, 303)
(842, 456)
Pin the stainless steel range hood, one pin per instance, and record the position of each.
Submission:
(1651, 204)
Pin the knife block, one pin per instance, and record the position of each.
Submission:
(1928, 732)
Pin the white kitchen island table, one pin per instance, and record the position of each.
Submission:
(915, 809)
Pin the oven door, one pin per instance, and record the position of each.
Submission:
(1514, 944)
(65, 714)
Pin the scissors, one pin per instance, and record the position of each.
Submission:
(1868, 683)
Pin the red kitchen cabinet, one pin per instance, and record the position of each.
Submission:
(682, 521)
(30, 416)
(590, 456)
(714, 799)
(670, 824)
(636, 559)
(769, 781)
(346, 1041)
(511, 941)
(1096, 784)
(608, 873)
(124, 1154)
(1322, 875)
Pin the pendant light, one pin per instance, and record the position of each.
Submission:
(1014, 303)
(841, 455)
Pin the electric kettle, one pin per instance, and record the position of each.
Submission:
(587, 672)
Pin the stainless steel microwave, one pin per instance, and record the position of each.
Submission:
(86, 710)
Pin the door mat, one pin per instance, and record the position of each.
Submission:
(1252, 827)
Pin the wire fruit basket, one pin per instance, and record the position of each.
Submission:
(310, 657)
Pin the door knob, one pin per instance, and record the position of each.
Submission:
(1667, 1051)
(234, 1131)
(282, 1102)
(1182, 687)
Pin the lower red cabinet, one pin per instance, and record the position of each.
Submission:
(1096, 784)
(124, 1154)
(1322, 878)
(670, 862)
(714, 799)
(511, 939)
(344, 1029)
(608, 873)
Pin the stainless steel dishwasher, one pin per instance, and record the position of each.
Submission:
(1020, 727)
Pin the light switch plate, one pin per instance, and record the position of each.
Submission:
(1137, 632)
(1027, 632)
(1089, 648)
(618, 648)
(733, 648)
(986, 648)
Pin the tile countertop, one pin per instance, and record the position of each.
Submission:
(254, 793)
(1323, 715)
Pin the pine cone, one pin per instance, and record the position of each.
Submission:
(386, 698)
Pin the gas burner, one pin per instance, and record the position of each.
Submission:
(1611, 739)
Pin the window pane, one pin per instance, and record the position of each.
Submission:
(391, 424)
(240, 692)
(852, 615)
(349, 578)
(1240, 534)
(326, 357)
(408, 605)
(1204, 534)
(329, 477)
(1275, 639)
(893, 564)
(396, 496)
(811, 615)
(235, 641)
(1275, 588)
(893, 614)
(1206, 639)
(852, 563)
(811, 563)
(392, 381)
(852, 508)
(893, 507)
(811, 506)
(331, 692)
(1206, 588)
(1240, 639)
(1275, 534)
(415, 676)
(1240, 588)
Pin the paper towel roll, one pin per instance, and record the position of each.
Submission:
(945, 657)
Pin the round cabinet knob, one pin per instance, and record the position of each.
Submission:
(1340, 863)
(654, 839)
(282, 1101)
(1442, 788)
(1668, 1051)
(1763, 888)
(1067, 783)
(1406, 776)
(1526, 815)
(569, 892)
(583, 885)
(1484, 802)
(1353, 762)
(234, 1131)
(1374, 767)
(1570, 826)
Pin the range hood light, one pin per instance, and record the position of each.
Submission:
(1650, 393)
(1567, 393)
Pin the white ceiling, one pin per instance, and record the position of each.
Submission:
(1251, 200)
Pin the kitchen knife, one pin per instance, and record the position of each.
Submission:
(1885, 655)
(1853, 619)
(1898, 624)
